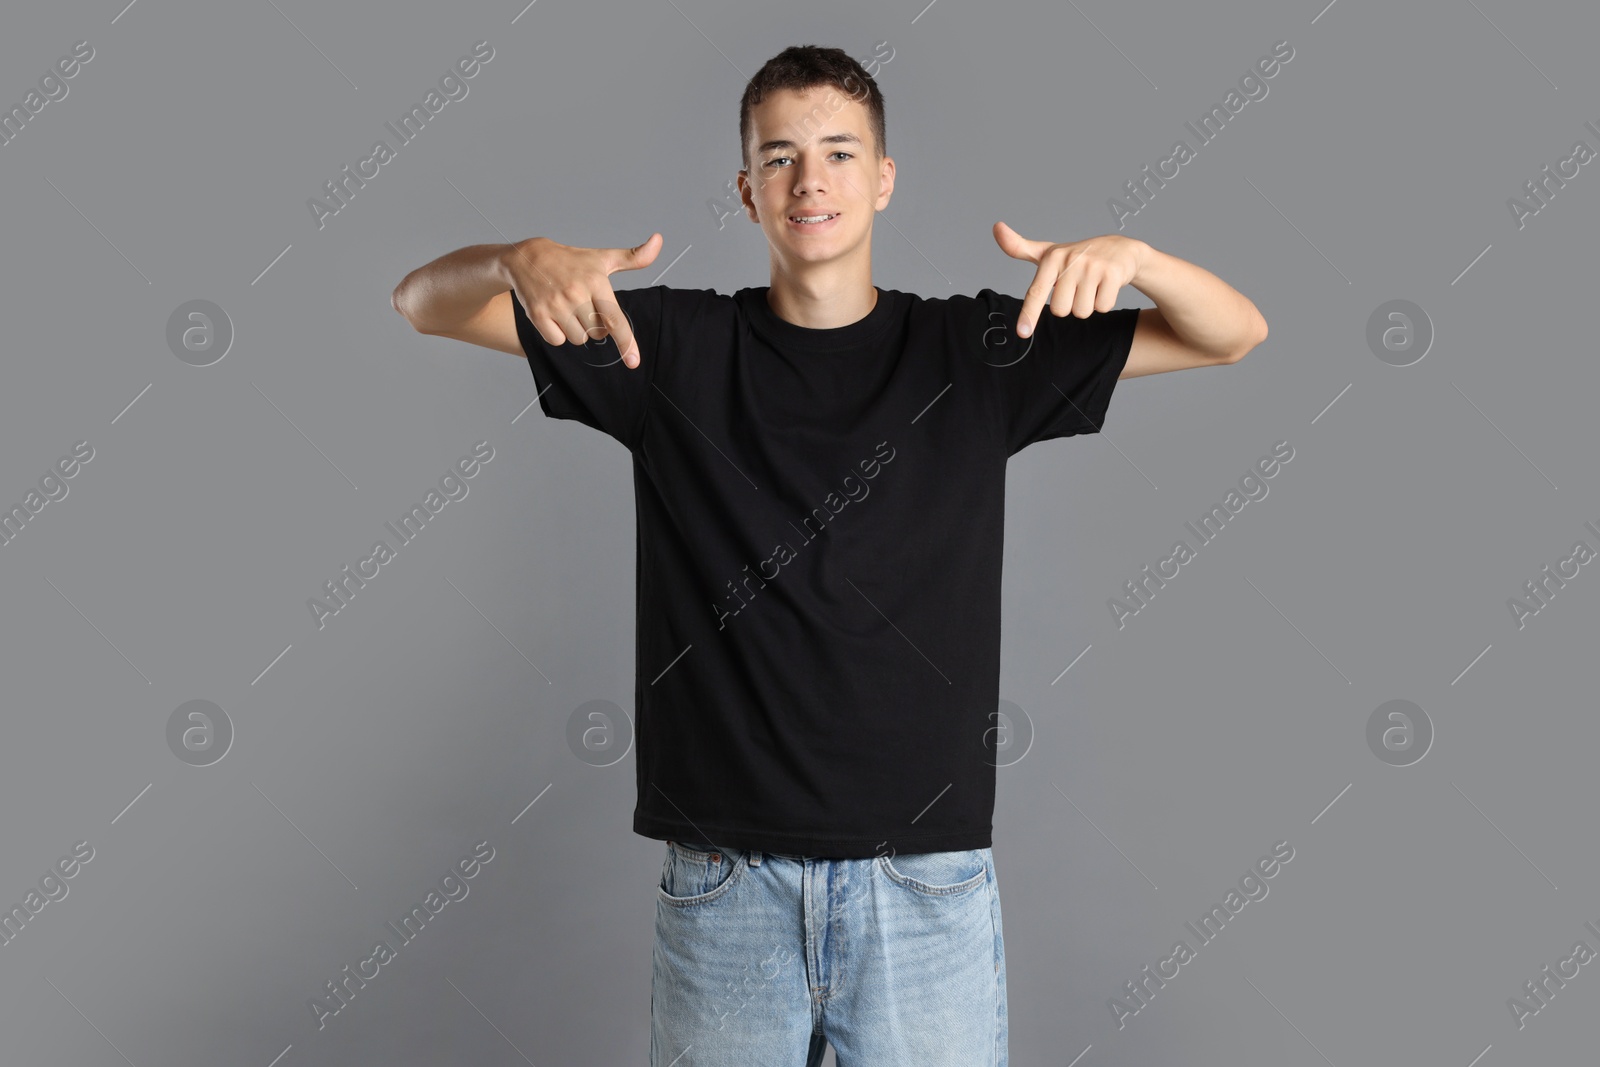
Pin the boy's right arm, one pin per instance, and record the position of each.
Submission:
(467, 294)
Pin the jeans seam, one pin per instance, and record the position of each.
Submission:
(994, 897)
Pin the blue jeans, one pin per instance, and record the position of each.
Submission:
(763, 959)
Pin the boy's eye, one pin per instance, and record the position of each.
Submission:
(777, 159)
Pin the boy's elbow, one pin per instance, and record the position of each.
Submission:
(1259, 337)
(398, 300)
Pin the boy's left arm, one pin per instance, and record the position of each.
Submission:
(1199, 320)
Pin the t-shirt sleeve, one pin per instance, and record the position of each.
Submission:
(589, 383)
(1059, 381)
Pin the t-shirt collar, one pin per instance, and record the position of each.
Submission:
(788, 335)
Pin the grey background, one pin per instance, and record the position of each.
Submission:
(1228, 715)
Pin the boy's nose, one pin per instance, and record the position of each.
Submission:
(807, 181)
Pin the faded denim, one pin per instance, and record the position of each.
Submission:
(763, 959)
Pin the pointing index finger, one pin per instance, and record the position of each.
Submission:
(615, 322)
(1044, 283)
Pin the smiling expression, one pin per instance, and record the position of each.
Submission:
(812, 154)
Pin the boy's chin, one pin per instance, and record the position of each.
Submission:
(813, 251)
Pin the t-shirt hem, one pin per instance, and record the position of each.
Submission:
(553, 411)
(819, 845)
(1110, 372)
(530, 340)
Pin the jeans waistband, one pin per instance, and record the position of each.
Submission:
(698, 846)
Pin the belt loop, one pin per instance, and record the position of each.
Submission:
(755, 858)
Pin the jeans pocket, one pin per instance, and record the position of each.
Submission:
(938, 873)
(690, 876)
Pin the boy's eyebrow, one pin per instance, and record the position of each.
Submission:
(832, 138)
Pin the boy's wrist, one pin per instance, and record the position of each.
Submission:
(500, 265)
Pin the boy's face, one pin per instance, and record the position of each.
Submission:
(828, 165)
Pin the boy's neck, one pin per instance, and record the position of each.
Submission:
(823, 299)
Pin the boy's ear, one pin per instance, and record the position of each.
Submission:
(748, 203)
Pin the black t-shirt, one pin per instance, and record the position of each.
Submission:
(820, 517)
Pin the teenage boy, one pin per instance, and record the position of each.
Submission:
(819, 473)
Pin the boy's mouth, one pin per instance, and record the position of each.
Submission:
(813, 222)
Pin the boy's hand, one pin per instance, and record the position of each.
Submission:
(566, 292)
(1081, 277)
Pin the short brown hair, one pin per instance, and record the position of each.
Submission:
(807, 66)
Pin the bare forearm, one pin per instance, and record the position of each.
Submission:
(1203, 310)
(452, 288)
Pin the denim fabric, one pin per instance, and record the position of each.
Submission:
(763, 959)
